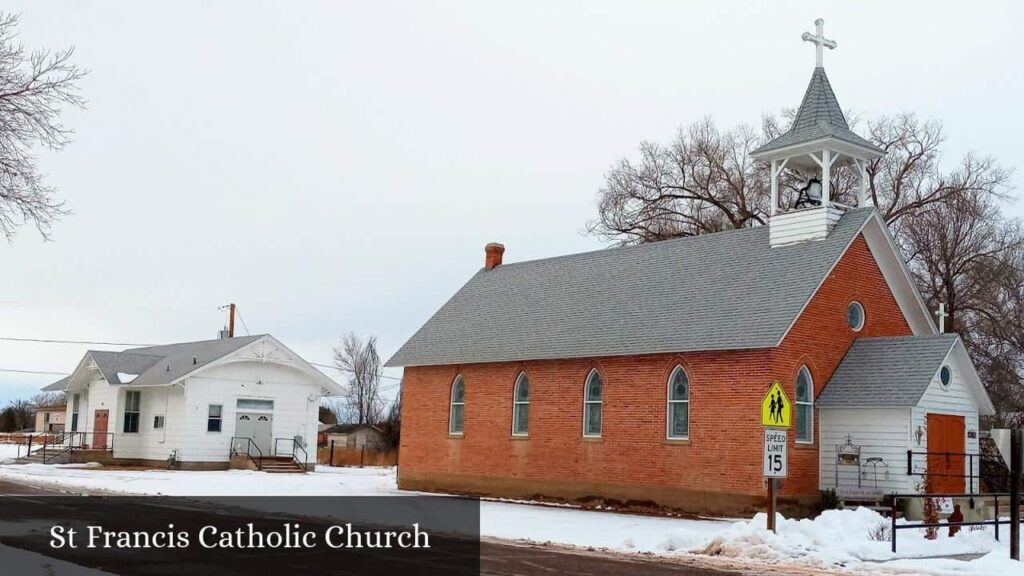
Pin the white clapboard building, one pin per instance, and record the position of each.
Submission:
(194, 405)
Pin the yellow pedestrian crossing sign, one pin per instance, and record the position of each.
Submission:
(775, 408)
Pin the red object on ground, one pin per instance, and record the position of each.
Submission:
(956, 516)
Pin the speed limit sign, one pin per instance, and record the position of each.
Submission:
(775, 453)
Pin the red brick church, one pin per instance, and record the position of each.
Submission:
(636, 374)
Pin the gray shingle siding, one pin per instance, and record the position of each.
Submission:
(723, 291)
(893, 371)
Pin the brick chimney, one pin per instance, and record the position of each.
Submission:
(493, 252)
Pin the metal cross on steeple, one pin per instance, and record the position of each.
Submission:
(819, 40)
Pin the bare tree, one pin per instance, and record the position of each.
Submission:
(18, 415)
(360, 362)
(48, 399)
(34, 86)
(948, 223)
(706, 181)
(392, 424)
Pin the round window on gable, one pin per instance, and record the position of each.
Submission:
(945, 376)
(855, 316)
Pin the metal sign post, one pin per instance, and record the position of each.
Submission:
(776, 413)
(775, 466)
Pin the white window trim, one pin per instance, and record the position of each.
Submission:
(797, 403)
(863, 316)
(668, 413)
(586, 403)
(208, 418)
(516, 403)
(138, 411)
(452, 404)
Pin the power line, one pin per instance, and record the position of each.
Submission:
(33, 372)
(385, 376)
(86, 342)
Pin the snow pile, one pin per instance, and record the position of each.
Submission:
(850, 539)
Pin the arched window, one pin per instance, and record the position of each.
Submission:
(521, 406)
(592, 395)
(457, 416)
(678, 404)
(804, 406)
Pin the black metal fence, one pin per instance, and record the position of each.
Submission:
(918, 525)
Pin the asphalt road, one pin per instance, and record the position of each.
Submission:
(495, 559)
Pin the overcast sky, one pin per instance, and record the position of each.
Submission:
(339, 166)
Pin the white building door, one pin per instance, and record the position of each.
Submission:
(258, 427)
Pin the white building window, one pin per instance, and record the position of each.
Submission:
(678, 404)
(593, 394)
(457, 414)
(75, 398)
(132, 400)
(521, 406)
(158, 422)
(804, 406)
(213, 418)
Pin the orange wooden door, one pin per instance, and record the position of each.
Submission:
(946, 453)
(99, 429)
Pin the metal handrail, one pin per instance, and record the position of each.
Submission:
(994, 522)
(249, 445)
(295, 445)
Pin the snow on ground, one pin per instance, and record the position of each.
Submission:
(834, 540)
(9, 451)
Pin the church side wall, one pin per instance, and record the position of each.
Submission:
(880, 433)
(717, 470)
(821, 337)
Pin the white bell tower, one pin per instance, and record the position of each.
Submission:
(818, 144)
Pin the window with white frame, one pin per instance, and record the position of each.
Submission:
(521, 406)
(593, 395)
(678, 404)
(804, 406)
(132, 400)
(457, 414)
(213, 417)
(158, 422)
(74, 412)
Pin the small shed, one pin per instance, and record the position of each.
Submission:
(356, 436)
(50, 419)
(897, 408)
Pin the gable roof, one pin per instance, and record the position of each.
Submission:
(723, 291)
(58, 385)
(349, 428)
(819, 117)
(890, 371)
(163, 365)
(176, 360)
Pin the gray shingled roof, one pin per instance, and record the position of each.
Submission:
(723, 291)
(156, 365)
(176, 360)
(892, 371)
(57, 386)
(819, 116)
